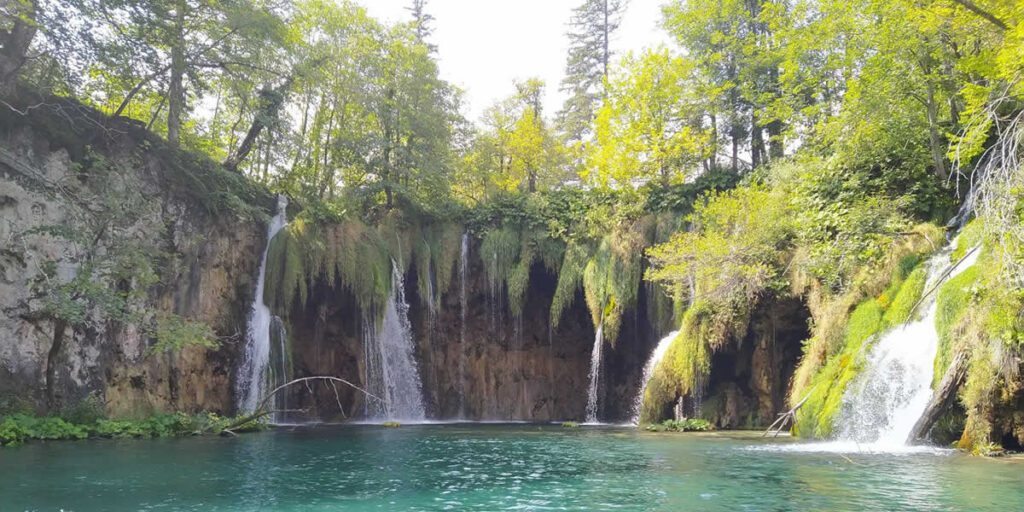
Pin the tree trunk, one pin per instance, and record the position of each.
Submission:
(59, 326)
(271, 101)
(934, 141)
(16, 42)
(943, 396)
(176, 89)
(605, 57)
(756, 143)
(775, 143)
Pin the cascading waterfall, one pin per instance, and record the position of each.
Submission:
(255, 373)
(883, 403)
(656, 357)
(595, 374)
(391, 371)
(463, 264)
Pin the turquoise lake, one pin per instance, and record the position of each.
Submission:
(493, 467)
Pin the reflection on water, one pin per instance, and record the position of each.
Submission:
(493, 467)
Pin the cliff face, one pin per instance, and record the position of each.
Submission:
(492, 367)
(476, 360)
(207, 264)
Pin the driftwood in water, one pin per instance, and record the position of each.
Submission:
(784, 419)
(262, 411)
(942, 398)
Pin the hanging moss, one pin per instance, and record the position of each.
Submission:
(595, 283)
(611, 280)
(446, 245)
(550, 251)
(359, 261)
(519, 278)
(499, 252)
(684, 370)
(285, 278)
(570, 277)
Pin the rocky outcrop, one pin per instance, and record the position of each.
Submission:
(749, 381)
(206, 263)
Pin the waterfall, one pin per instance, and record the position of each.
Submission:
(656, 357)
(882, 404)
(594, 375)
(390, 359)
(254, 374)
(463, 264)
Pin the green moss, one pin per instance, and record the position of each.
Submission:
(970, 236)
(570, 277)
(519, 278)
(905, 299)
(570, 424)
(952, 300)
(611, 280)
(499, 252)
(815, 418)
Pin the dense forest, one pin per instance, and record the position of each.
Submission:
(815, 151)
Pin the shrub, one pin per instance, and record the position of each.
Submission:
(687, 425)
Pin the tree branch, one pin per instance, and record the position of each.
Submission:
(971, 6)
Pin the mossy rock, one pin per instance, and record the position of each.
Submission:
(391, 424)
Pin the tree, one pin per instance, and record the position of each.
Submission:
(517, 149)
(651, 127)
(736, 46)
(17, 29)
(591, 27)
(167, 48)
(421, 21)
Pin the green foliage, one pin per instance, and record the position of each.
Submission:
(952, 300)
(172, 333)
(570, 278)
(86, 412)
(611, 279)
(737, 246)
(500, 251)
(570, 424)
(686, 366)
(19, 428)
(686, 425)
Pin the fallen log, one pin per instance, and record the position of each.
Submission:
(942, 398)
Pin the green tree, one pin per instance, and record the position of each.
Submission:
(592, 25)
(652, 125)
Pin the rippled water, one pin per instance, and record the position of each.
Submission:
(492, 467)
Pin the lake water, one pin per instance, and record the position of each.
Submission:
(493, 467)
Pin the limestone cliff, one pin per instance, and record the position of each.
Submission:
(49, 190)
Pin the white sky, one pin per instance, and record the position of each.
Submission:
(485, 45)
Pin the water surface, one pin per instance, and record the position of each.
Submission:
(493, 467)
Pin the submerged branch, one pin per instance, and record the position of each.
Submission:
(262, 411)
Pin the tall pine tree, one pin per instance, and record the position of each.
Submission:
(591, 27)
